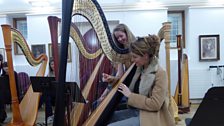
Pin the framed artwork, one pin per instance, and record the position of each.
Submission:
(69, 51)
(209, 48)
(38, 49)
(2, 52)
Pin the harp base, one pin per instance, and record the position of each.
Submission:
(183, 109)
(17, 124)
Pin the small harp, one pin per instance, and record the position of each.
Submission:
(182, 90)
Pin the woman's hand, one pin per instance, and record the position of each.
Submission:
(124, 90)
(108, 78)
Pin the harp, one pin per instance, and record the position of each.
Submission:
(93, 55)
(164, 33)
(24, 113)
(102, 35)
(102, 30)
(182, 90)
(53, 25)
(91, 10)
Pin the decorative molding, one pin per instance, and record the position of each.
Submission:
(204, 7)
(3, 16)
(129, 7)
(52, 12)
(6, 12)
(119, 7)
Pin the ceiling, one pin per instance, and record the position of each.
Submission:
(24, 6)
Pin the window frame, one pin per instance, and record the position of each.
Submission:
(17, 50)
(182, 13)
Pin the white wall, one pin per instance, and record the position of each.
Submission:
(202, 21)
(2, 21)
(140, 22)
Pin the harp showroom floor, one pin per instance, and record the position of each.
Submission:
(41, 115)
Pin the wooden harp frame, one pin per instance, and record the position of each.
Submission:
(24, 113)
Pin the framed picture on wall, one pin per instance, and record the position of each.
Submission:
(209, 48)
(69, 51)
(38, 49)
(2, 52)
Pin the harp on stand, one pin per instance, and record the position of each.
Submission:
(182, 90)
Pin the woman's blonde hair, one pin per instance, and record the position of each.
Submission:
(149, 44)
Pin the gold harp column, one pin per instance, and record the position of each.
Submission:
(17, 119)
(164, 33)
(167, 47)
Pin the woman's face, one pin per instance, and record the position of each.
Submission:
(6, 70)
(52, 65)
(121, 37)
(139, 60)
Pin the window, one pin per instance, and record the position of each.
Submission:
(21, 25)
(177, 27)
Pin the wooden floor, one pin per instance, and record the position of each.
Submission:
(187, 115)
(40, 119)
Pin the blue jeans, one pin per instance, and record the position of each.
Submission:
(127, 117)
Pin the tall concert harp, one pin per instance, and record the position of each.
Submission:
(79, 41)
(54, 40)
(60, 104)
(182, 90)
(102, 30)
(24, 113)
(164, 33)
(91, 10)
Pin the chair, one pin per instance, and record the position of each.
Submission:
(23, 84)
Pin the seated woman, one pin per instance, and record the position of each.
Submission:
(1, 62)
(6, 97)
(147, 94)
(122, 37)
(2, 105)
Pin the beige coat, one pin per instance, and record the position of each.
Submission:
(154, 109)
